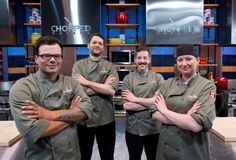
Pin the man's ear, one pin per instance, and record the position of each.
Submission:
(198, 59)
(36, 59)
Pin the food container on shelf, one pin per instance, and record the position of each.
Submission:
(211, 21)
(211, 61)
(35, 12)
(130, 40)
(38, 20)
(32, 20)
(203, 72)
(122, 18)
(115, 41)
(207, 13)
(203, 60)
(34, 38)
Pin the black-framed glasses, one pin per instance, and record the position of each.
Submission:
(49, 56)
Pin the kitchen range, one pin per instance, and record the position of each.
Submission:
(226, 100)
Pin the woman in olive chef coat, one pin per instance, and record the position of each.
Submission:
(186, 109)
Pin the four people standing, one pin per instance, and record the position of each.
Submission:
(139, 94)
(47, 105)
(99, 79)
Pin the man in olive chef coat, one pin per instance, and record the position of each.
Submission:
(99, 79)
(139, 91)
(46, 106)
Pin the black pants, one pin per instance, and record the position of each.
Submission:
(136, 143)
(105, 136)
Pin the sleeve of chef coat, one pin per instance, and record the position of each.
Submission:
(85, 103)
(162, 88)
(78, 68)
(114, 73)
(126, 85)
(31, 129)
(206, 113)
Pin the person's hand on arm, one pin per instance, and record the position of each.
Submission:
(184, 121)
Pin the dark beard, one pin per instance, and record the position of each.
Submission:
(96, 54)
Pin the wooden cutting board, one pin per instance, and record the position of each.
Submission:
(225, 128)
(8, 134)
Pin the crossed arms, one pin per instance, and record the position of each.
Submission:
(163, 114)
(58, 119)
(94, 87)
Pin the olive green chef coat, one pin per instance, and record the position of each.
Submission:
(180, 144)
(140, 122)
(98, 71)
(52, 96)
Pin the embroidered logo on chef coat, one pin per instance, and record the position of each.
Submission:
(194, 96)
(103, 72)
(66, 92)
(152, 82)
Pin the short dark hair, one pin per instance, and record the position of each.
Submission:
(186, 49)
(142, 49)
(98, 35)
(46, 40)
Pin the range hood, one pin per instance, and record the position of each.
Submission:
(7, 22)
(227, 22)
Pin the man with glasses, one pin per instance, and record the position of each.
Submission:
(46, 106)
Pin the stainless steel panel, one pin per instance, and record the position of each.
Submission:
(233, 27)
(227, 22)
(7, 22)
(174, 21)
(71, 21)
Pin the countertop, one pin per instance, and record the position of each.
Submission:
(219, 150)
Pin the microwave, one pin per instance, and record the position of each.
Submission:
(122, 57)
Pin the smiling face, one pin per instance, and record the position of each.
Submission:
(96, 46)
(187, 65)
(142, 60)
(49, 59)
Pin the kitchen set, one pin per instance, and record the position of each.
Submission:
(126, 25)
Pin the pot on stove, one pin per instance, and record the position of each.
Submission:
(221, 83)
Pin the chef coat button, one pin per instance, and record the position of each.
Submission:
(178, 132)
(165, 143)
(177, 149)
